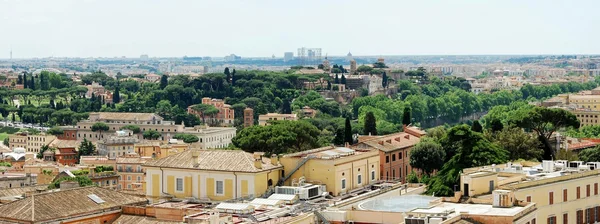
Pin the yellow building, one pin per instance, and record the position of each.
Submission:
(340, 169)
(214, 174)
(586, 117)
(264, 118)
(31, 143)
(564, 192)
(157, 149)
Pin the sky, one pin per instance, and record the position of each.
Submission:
(261, 28)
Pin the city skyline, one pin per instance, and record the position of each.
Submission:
(260, 29)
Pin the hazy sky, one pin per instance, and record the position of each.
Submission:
(107, 28)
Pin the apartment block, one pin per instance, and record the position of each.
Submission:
(131, 173)
(31, 143)
(263, 119)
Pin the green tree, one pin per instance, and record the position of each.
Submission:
(406, 118)
(32, 83)
(384, 80)
(590, 154)
(227, 74)
(348, 131)
(205, 110)
(278, 137)
(82, 180)
(43, 149)
(336, 80)
(544, 122)
(370, 127)
(328, 85)
(187, 138)
(476, 127)
(343, 79)
(86, 148)
(151, 134)
(464, 149)
(286, 108)
(496, 125)
(55, 131)
(427, 156)
(518, 143)
(364, 69)
(100, 126)
(134, 128)
(117, 95)
(164, 81)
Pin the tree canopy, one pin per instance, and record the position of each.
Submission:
(278, 137)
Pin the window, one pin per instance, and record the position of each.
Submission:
(372, 174)
(393, 157)
(565, 197)
(566, 218)
(552, 220)
(179, 184)
(528, 199)
(595, 188)
(359, 179)
(533, 221)
(400, 155)
(343, 184)
(387, 159)
(587, 190)
(551, 197)
(579, 217)
(588, 215)
(578, 192)
(219, 187)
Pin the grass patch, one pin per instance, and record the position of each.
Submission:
(3, 136)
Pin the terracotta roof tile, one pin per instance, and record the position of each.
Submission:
(214, 159)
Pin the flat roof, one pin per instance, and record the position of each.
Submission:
(474, 209)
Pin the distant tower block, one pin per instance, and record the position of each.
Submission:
(248, 117)
(326, 65)
(380, 59)
(352, 66)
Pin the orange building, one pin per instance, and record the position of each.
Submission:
(394, 152)
(248, 117)
(69, 133)
(131, 174)
(66, 151)
(225, 116)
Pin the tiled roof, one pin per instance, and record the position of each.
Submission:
(130, 160)
(21, 190)
(392, 142)
(65, 203)
(214, 159)
(123, 219)
(58, 143)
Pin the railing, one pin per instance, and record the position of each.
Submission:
(300, 164)
(321, 218)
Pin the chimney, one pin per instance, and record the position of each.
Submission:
(404, 127)
(274, 159)
(407, 136)
(389, 141)
(195, 155)
(381, 142)
(398, 139)
(258, 159)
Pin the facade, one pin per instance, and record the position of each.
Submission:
(152, 77)
(586, 117)
(115, 121)
(248, 117)
(31, 143)
(212, 137)
(131, 174)
(66, 151)
(76, 205)
(15, 180)
(226, 114)
(563, 191)
(264, 118)
(69, 133)
(119, 144)
(97, 161)
(394, 152)
(340, 169)
(217, 175)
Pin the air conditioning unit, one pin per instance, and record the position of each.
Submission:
(548, 166)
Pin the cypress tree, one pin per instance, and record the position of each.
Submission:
(370, 124)
(25, 83)
(348, 131)
(337, 79)
(116, 96)
(406, 116)
(343, 79)
(32, 83)
(164, 81)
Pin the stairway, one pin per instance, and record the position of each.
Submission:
(300, 164)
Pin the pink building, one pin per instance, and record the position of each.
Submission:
(225, 116)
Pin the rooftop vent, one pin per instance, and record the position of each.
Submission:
(96, 199)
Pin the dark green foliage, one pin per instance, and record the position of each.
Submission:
(151, 134)
(278, 137)
(164, 81)
(496, 125)
(343, 79)
(187, 138)
(286, 108)
(406, 116)
(55, 131)
(82, 180)
(476, 127)
(427, 156)
(370, 124)
(348, 131)
(86, 148)
(590, 154)
(134, 128)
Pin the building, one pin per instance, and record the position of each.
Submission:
(563, 191)
(341, 169)
(308, 112)
(263, 119)
(14, 180)
(76, 205)
(226, 114)
(116, 121)
(31, 143)
(394, 151)
(69, 133)
(248, 117)
(352, 66)
(212, 137)
(152, 77)
(18, 157)
(288, 56)
(130, 171)
(156, 149)
(118, 144)
(95, 89)
(66, 151)
(214, 174)
(97, 161)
